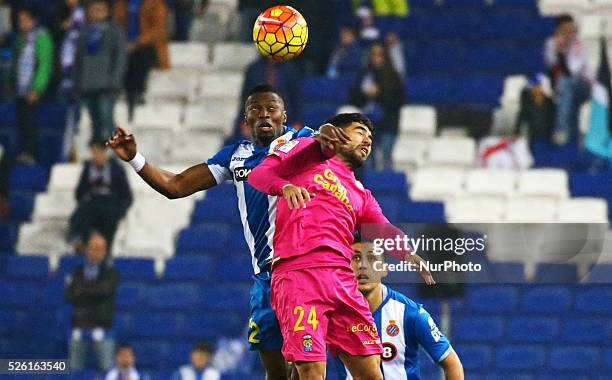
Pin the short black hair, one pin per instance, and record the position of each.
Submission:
(263, 87)
(203, 347)
(343, 120)
(92, 2)
(562, 19)
(97, 142)
(30, 11)
(123, 346)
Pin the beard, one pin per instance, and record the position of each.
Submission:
(353, 158)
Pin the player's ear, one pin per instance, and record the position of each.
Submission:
(284, 117)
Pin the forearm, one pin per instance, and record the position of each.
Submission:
(453, 369)
(266, 177)
(162, 181)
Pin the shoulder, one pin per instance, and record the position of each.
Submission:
(411, 308)
(228, 151)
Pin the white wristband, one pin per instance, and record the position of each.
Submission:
(138, 162)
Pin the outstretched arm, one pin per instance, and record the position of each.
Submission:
(171, 185)
(453, 369)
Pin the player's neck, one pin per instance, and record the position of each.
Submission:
(375, 297)
(345, 161)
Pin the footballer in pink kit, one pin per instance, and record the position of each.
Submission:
(314, 293)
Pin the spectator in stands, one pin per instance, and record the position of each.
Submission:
(249, 10)
(125, 362)
(201, 367)
(103, 197)
(32, 72)
(183, 17)
(5, 171)
(6, 25)
(284, 76)
(346, 59)
(567, 61)
(147, 34)
(379, 91)
(72, 20)
(396, 53)
(91, 292)
(537, 111)
(101, 58)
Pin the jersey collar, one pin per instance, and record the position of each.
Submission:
(386, 295)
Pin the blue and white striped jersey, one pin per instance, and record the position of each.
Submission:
(257, 210)
(403, 326)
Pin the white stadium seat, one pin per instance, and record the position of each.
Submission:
(409, 152)
(155, 144)
(513, 86)
(65, 177)
(190, 55)
(348, 108)
(452, 152)
(583, 210)
(233, 56)
(212, 115)
(490, 182)
(195, 147)
(172, 85)
(543, 183)
(158, 116)
(418, 120)
(530, 210)
(54, 206)
(221, 85)
(436, 184)
(558, 7)
(474, 209)
(48, 237)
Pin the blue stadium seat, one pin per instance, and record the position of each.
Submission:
(53, 292)
(557, 375)
(607, 358)
(532, 329)
(230, 297)
(477, 329)
(161, 375)
(586, 330)
(237, 244)
(390, 206)
(153, 354)
(68, 264)
(8, 116)
(204, 238)
(596, 184)
(600, 273)
(430, 89)
(546, 299)
(15, 322)
(514, 22)
(234, 269)
(172, 296)
(385, 182)
(20, 293)
(315, 114)
(29, 178)
(492, 57)
(579, 358)
(8, 235)
(492, 298)
(208, 326)
(131, 295)
(479, 89)
(594, 300)
(135, 269)
(214, 210)
(530, 60)
(520, 357)
(474, 356)
(50, 142)
(326, 89)
(8, 139)
(158, 325)
(445, 56)
(52, 115)
(189, 268)
(506, 273)
(422, 212)
(508, 375)
(556, 273)
(22, 205)
(33, 267)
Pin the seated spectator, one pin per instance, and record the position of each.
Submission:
(537, 111)
(91, 292)
(147, 35)
(346, 59)
(396, 53)
(103, 197)
(32, 72)
(567, 61)
(379, 92)
(200, 367)
(125, 369)
(101, 45)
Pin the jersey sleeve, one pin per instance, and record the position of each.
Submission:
(296, 153)
(219, 164)
(430, 337)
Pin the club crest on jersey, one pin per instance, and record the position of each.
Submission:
(392, 328)
(242, 173)
(307, 343)
(285, 148)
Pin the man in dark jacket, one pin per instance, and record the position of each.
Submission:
(91, 292)
(103, 197)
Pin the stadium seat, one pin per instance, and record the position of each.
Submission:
(8, 116)
(8, 235)
(594, 300)
(474, 356)
(520, 357)
(172, 85)
(209, 210)
(212, 115)
(29, 178)
(506, 273)
(169, 325)
(586, 330)
(135, 269)
(34, 267)
(22, 205)
(207, 326)
(418, 121)
(445, 56)
(195, 147)
(20, 293)
(157, 116)
(543, 299)
(385, 183)
(204, 238)
(172, 296)
(530, 210)
(50, 143)
(54, 206)
(474, 209)
(225, 297)
(551, 183)
(556, 273)
(483, 89)
(190, 55)
(421, 212)
(409, 152)
(67, 265)
(494, 298)
(64, 177)
(478, 329)
(532, 330)
(131, 295)
(574, 358)
(600, 273)
(583, 210)
(237, 245)
(233, 56)
(239, 269)
(451, 152)
(558, 7)
(426, 184)
(190, 268)
(591, 184)
(47, 237)
(492, 57)
(219, 85)
(52, 114)
(316, 113)
(489, 182)
(325, 89)
(513, 86)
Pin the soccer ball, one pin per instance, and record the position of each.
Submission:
(280, 33)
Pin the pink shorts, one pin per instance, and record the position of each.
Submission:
(320, 308)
